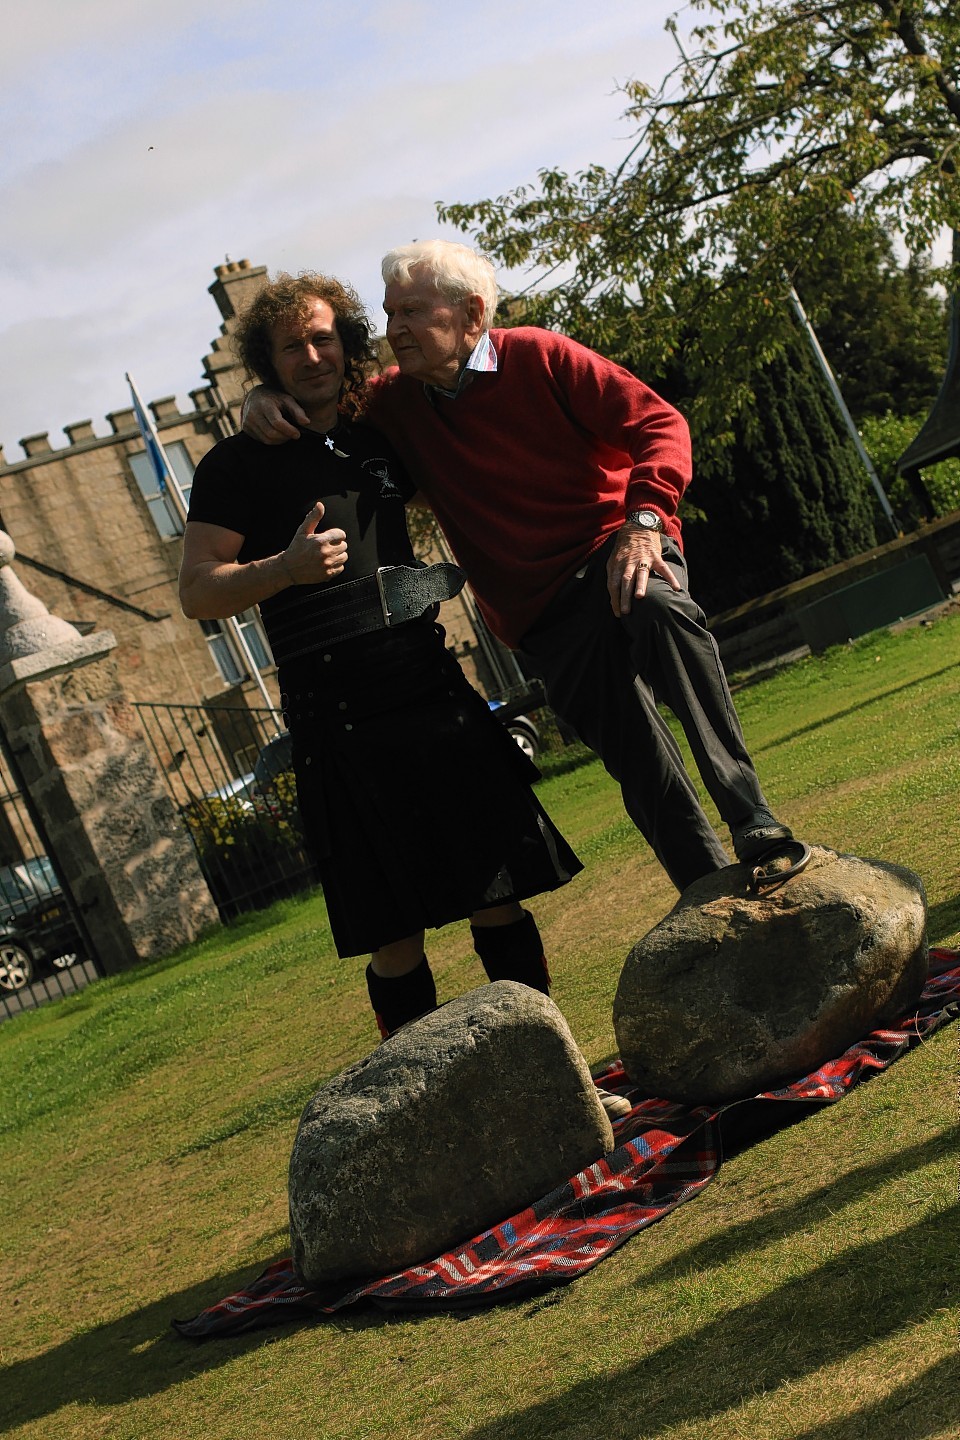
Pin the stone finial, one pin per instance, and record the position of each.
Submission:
(26, 625)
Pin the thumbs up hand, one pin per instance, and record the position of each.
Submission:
(314, 556)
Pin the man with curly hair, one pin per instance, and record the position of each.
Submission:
(290, 299)
(556, 476)
(417, 804)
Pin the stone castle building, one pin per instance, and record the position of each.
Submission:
(97, 542)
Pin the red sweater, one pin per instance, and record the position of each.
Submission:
(533, 465)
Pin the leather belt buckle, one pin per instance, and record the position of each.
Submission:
(387, 612)
(384, 600)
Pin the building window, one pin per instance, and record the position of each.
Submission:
(165, 516)
(224, 656)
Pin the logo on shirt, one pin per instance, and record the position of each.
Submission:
(378, 466)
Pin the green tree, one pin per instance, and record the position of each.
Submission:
(779, 115)
(881, 324)
(885, 438)
(787, 497)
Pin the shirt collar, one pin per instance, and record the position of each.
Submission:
(482, 357)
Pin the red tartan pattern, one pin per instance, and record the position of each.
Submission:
(665, 1155)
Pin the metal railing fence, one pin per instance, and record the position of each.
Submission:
(246, 830)
(45, 951)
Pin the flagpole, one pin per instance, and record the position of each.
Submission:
(170, 487)
(852, 430)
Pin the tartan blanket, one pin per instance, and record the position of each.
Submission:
(665, 1154)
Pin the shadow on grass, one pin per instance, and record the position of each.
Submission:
(826, 720)
(923, 1407)
(848, 1189)
(943, 920)
(865, 1295)
(563, 762)
(862, 1295)
(139, 1354)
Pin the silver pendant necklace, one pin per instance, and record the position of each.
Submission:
(328, 440)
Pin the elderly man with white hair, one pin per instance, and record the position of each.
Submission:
(556, 476)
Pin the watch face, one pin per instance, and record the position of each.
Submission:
(645, 518)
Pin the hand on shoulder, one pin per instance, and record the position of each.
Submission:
(271, 416)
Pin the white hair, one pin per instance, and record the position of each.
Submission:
(456, 270)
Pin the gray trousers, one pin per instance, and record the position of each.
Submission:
(604, 675)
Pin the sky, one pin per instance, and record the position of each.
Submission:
(143, 143)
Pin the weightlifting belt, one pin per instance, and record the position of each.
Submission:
(382, 601)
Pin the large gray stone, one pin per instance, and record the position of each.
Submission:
(733, 993)
(455, 1123)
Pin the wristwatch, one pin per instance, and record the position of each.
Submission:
(644, 520)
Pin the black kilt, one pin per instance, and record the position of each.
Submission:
(417, 803)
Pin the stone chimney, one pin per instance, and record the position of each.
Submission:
(235, 286)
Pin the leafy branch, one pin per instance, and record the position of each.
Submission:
(778, 118)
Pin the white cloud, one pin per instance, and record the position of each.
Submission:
(314, 134)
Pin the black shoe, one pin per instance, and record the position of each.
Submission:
(758, 835)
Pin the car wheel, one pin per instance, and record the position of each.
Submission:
(16, 967)
(526, 739)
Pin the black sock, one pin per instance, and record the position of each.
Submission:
(513, 952)
(399, 998)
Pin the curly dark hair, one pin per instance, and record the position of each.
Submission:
(289, 296)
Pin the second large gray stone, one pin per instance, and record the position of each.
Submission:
(455, 1123)
(734, 993)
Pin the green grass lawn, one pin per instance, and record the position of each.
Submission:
(806, 1294)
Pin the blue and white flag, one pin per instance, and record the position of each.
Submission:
(167, 481)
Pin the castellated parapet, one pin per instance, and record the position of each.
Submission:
(122, 424)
